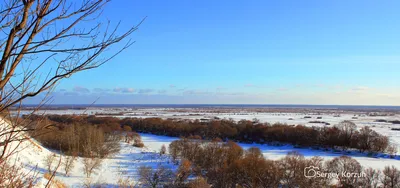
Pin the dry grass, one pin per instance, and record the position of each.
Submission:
(33, 142)
(54, 182)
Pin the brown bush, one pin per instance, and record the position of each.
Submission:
(199, 182)
(90, 165)
(391, 177)
(12, 175)
(83, 140)
(137, 140)
(68, 164)
(345, 164)
(371, 179)
(163, 150)
(154, 178)
(183, 172)
(49, 162)
(391, 150)
(226, 165)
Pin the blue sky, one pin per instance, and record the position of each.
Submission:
(258, 52)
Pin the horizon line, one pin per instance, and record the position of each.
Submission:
(211, 104)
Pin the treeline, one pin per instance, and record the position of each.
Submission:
(343, 136)
(75, 138)
(227, 165)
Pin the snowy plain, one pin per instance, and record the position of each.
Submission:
(126, 163)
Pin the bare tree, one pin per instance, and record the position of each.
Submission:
(49, 162)
(392, 150)
(90, 165)
(199, 182)
(68, 164)
(391, 177)
(371, 179)
(163, 150)
(137, 140)
(41, 43)
(347, 131)
(345, 164)
(127, 182)
(12, 175)
(183, 172)
(154, 177)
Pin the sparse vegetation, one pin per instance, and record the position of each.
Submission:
(342, 136)
(68, 163)
(154, 178)
(137, 141)
(163, 150)
(391, 177)
(77, 139)
(54, 182)
(14, 176)
(226, 164)
(90, 165)
(126, 182)
(50, 162)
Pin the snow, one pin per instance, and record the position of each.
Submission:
(154, 142)
(123, 165)
(129, 159)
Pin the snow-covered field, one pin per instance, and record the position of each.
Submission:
(332, 117)
(154, 142)
(126, 163)
(121, 166)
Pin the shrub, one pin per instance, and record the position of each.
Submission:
(154, 178)
(199, 182)
(391, 177)
(68, 163)
(90, 165)
(345, 164)
(163, 150)
(12, 175)
(371, 179)
(49, 162)
(137, 141)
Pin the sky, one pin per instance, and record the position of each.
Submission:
(248, 52)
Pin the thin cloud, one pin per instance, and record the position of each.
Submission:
(221, 88)
(282, 89)
(385, 95)
(80, 89)
(196, 92)
(128, 90)
(299, 85)
(163, 91)
(146, 91)
(68, 93)
(254, 86)
(319, 85)
(123, 90)
(182, 89)
(100, 90)
(360, 88)
(231, 93)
